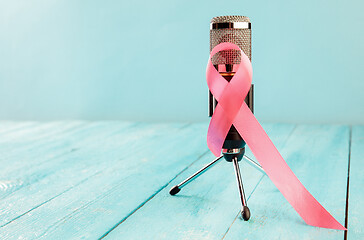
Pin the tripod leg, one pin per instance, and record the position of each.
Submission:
(254, 164)
(174, 190)
(245, 212)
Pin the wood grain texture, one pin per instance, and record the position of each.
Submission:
(204, 209)
(72, 180)
(104, 183)
(356, 187)
(44, 166)
(318, 155)
(9, 126)
(34, 137)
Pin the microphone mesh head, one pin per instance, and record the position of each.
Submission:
(239, 36)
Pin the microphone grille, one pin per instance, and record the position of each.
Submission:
(234, 29)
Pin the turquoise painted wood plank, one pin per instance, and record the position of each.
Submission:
(36, 170)
(204, 209)
(41, 171)
(119, 179)
(52, 146)
(35, 138)
(29, 137)
(32, 131)
(356, 185)
(25, 160)
(9, 126)
(318, 155)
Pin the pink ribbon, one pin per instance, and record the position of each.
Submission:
(233, 110)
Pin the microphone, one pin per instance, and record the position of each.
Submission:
(237, 30)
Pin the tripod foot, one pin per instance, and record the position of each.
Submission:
(174, 190)
(245, 213)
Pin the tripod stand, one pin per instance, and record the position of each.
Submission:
(233, 151)
(230, 155)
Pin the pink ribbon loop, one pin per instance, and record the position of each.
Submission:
(232, 110)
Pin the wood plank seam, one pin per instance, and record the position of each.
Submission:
(184, 126)
(86, 179)
(64, 153)
(61, 155)
(48, 200)
(152, 196)
(33, 182)
(347, 186)
(356, 194)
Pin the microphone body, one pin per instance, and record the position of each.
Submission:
(237, 30)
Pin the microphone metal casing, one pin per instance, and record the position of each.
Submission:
(237, 30)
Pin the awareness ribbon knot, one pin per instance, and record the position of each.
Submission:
(232, 110)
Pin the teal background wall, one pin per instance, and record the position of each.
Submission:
(146, 60)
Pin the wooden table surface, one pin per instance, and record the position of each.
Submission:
(110, 180)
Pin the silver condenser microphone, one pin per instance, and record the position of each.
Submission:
(233, 29)
(237, 30)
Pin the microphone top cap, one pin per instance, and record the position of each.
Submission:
(230, 19)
